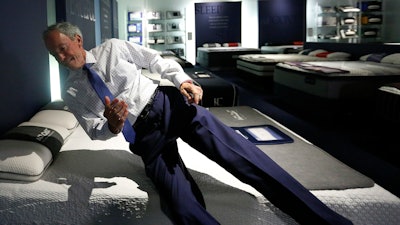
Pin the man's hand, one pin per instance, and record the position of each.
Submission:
(116, 113)
(192, 92)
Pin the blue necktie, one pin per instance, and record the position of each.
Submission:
(102, 91)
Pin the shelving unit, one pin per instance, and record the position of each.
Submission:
(351, 22)
(167, 32)
(371, 20)
(135, 27)
(160, 30)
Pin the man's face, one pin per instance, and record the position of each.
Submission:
(69, 53)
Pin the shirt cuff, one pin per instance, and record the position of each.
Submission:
(182, 78)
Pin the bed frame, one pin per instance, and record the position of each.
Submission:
(221, 58)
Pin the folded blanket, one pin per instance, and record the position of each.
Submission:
(315, 68)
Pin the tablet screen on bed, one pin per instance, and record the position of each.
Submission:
(265, 134)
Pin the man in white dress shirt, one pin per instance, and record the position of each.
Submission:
(159, 116)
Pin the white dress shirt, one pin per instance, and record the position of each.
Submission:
(119, 64)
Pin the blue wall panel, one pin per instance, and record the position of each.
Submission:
(24, 67)
(217, 22)
(281, 21)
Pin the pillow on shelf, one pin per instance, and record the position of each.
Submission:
(392, 58)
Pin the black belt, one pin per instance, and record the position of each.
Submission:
(145, 112)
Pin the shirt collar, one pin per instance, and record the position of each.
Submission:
(90, 58)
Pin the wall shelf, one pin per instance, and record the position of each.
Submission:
(160, 30)
(347, 21)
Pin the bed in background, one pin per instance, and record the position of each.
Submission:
(264, 64)
(216, 57)
(66, 178)
(353, 83)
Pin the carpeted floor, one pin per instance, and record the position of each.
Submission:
(356, 137)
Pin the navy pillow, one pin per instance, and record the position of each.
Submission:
(376, 57)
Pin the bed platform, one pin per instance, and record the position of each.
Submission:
(102, 182)
(388, 103)
(221, 58)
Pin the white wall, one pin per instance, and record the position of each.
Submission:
(249, 19)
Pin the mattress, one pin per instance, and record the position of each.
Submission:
(102, 182)
(337, 79)
(221, 58)
(264, 64)
(388, 102)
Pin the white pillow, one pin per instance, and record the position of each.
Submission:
(316, 52)
(211, 45)
(392, 58)
(338, 55)
(23, 160)
(56, 117)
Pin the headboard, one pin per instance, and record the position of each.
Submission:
(356, 50)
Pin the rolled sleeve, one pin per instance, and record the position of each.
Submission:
(170, 70)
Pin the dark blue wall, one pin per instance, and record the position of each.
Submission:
(80, 13)
(217, 22)
(281, 21)
(24, 67)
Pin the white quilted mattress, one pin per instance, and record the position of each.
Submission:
(97, 182)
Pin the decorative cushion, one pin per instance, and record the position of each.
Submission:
(23, 160)
(231, 44)
(373, 57)
(323, 54)
(392, 58)
(56, 117)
